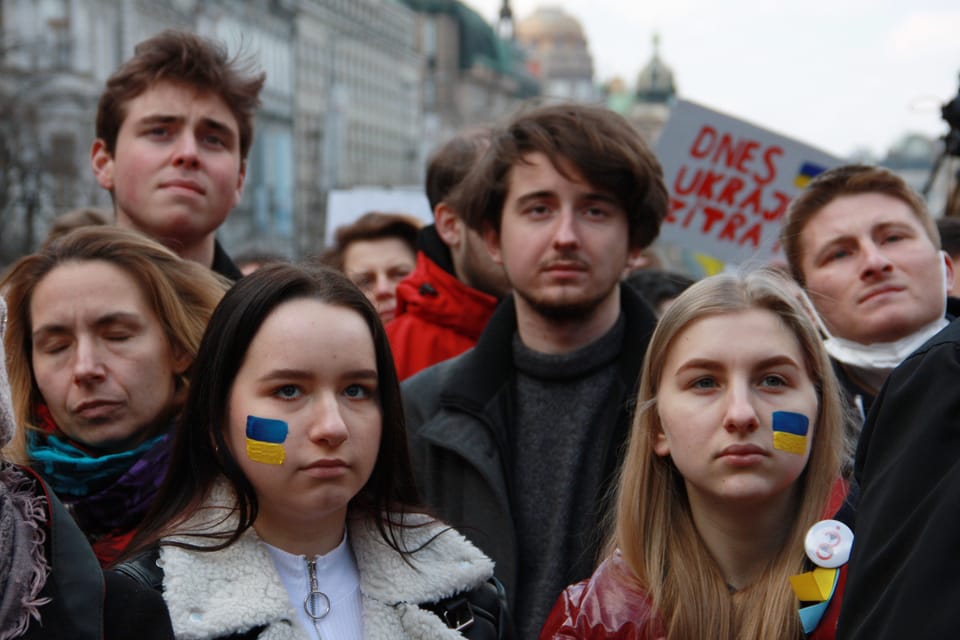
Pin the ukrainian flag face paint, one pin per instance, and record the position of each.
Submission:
(790, 432)
(265, 440)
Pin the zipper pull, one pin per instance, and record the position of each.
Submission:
(316, 604)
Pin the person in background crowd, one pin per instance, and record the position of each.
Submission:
(74, 219)
(659, 288)
(103, 328)
(712, 506)
(51, 585)
(173, 129)
(517, 441)
(376, 252)
(443, 306)
(949, 229)
(290, 509)
(861, 243)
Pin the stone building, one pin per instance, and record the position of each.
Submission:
(471, 75)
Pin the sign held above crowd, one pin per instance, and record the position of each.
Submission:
(730, 183)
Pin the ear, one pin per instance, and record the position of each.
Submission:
(638, 259)
(102, 164)
(948, 261)
(449, 225)
(661, 446)
(492, 239)
(241, 178)
(181, 359)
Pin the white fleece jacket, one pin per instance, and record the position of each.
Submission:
(218, 593)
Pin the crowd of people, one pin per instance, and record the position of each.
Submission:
(491, 426)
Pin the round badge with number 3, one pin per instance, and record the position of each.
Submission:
(828, 544)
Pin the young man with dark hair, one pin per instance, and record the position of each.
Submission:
(518, 440)
(444, 305)
(174, 126)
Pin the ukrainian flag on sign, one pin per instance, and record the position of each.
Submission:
(808, 171)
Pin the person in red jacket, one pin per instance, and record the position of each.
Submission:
(444, 305)
(735, 446)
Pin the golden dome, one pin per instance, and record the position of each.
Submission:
(549, 23)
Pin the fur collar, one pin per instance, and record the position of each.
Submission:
(212, 594)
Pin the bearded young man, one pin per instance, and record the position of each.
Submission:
(518, 440)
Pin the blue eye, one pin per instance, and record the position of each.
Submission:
(288, 392)
(357, 392)
(704, 383)
(773, 380)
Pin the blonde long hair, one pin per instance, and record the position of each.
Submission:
(652, 524)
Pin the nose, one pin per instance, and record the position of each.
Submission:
(383, 286)
(327, 426)
(185, 152)
(87, 364)
(740, 416)
(874, 262)
(566, 234)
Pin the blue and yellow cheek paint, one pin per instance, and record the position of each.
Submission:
(265, 440)
(790, 432)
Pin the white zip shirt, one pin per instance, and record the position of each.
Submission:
(337, 577)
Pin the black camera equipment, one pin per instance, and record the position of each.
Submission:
(950, 112)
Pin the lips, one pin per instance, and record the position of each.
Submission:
(326, 468)
(565, 265)
(735, 450)
(183, 184)
(97, 409)
(879, 291)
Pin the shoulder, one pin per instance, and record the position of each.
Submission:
(437, 561)
(607, 605)
(133, 609)
(422, 391)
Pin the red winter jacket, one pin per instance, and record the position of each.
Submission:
(605, 608)
(438, 317)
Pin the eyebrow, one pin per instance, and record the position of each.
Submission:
(546, 193)
(302, 374)
(118, 317)
(714, 365)
(211, 123)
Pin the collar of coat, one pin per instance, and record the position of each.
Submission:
(490, 364)
(216, 593)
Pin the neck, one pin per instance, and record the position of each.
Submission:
(201, 251)
(314, 538)
(560, 334)
(743, 538)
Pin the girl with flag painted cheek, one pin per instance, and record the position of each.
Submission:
(735, 447)
(290, 510)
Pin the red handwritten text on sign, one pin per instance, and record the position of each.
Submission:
(723, 189)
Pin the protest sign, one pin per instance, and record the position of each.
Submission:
(730, 183)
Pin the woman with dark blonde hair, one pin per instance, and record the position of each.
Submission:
(736, 444)
(104, 324)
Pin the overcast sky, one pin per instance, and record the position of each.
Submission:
(836, 74)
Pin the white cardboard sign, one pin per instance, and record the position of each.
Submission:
(730, 183)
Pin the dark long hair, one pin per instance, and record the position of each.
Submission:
(200, 455)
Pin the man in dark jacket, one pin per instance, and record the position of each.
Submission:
(174, 126)
(444, 305)
(518, 440)
(904, 573)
